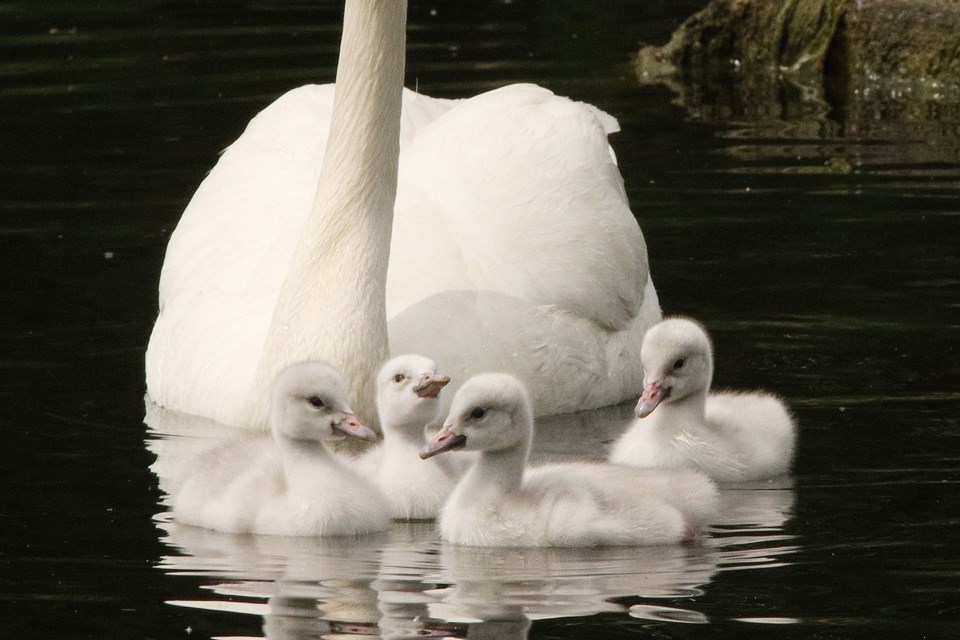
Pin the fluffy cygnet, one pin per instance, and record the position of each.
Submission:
(501, 503)
(290, 484)
(728, 436)
(407, 401)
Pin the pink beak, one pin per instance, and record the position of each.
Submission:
(653, 394)
(444, 440)
(350, 425)
(430, 385)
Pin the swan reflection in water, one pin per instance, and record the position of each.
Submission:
(406, 582)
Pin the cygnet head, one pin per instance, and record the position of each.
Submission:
(490, 412)
(677, 362)
(408, 389)
(310, 403)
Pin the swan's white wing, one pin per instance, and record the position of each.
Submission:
(230, 251)
(238, 231)
(516, 191)
(228, 255)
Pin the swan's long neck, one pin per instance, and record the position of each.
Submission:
(332, 305)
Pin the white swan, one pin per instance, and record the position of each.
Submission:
(290, 485)
(511, 219)
(728, 436)
(407, 390)
(499, 503)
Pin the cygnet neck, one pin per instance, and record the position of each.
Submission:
(501, 470)
(303, 461)
(681, 413)
(404, 437)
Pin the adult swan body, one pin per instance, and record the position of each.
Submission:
(512, 246)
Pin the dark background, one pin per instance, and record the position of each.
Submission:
(838, 290)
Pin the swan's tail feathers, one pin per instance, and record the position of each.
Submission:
(607, 121)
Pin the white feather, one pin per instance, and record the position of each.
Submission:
(500, 503)
(288, 484)
(510, 223)
(728, 436)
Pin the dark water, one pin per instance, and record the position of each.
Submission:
(823, 259)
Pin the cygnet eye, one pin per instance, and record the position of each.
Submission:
(398, 378)
(478, 413)
(678, 364)
(316, 401)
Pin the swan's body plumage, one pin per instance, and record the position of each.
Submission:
(501, 503)
(288, 484)
(510, 216)
(729, 436)
(415, 489)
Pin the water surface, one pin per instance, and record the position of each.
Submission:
(823, 261)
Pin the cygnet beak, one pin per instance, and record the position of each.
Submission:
(444, 440)
(430, 385)
(653, 395)
(351, 426)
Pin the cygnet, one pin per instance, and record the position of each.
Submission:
(289, 484)
(680, 424)
(408, 389)
(501, 503)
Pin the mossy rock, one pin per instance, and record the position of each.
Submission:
(830, 68)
